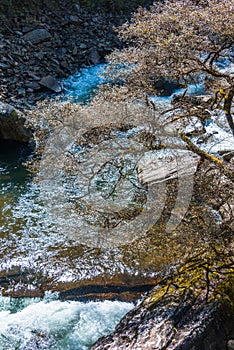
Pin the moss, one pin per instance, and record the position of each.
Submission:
(206, 275)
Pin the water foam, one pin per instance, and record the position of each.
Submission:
(27, 324)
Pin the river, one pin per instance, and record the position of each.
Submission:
(26, 233)
(37, 253)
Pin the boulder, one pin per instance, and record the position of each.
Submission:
(12, 124)
(51, 83)
(191, 310)
(37, 36)
(165, 86)
(94, 57)
(74, 20)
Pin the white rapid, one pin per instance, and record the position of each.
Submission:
(30, 324)
(81, 85)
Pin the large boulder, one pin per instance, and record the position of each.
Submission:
(37, 36)
(50, 83)
(191, 310)
(12, 124)
(94, 57)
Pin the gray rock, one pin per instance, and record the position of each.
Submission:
(37, 36)
(12, 124)
(75, 51)
(21, 92)
(34, 76)
(18, 33)
(65, 65)
(51, 83)
(27, 29)
(78, 8)
(4, 66)
(94, 57)
(32, 85)
(83, 46)
(74, 20)
(178, 315)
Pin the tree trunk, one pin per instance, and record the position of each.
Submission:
(227, 109)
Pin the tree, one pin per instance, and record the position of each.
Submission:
(180, 40)
(186, 42)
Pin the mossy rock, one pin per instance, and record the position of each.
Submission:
(193, 309)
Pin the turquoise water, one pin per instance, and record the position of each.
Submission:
(82, 84)
(48, 323)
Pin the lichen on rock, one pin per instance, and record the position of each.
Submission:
(191, 309)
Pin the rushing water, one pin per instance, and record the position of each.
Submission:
(82, 84)
(28, 324)
(29, 239)
(34, 323)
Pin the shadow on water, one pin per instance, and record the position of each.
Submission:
(12, 171)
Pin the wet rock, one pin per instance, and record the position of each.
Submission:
(19, 283)
(12, 124)
(188, 311)
(37, 36)
(165, 86)
(39, 340)
(51, 83)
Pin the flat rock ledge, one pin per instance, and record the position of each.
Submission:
(191, 310)
(17, 283)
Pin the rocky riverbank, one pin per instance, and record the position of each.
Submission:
(40, 45)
